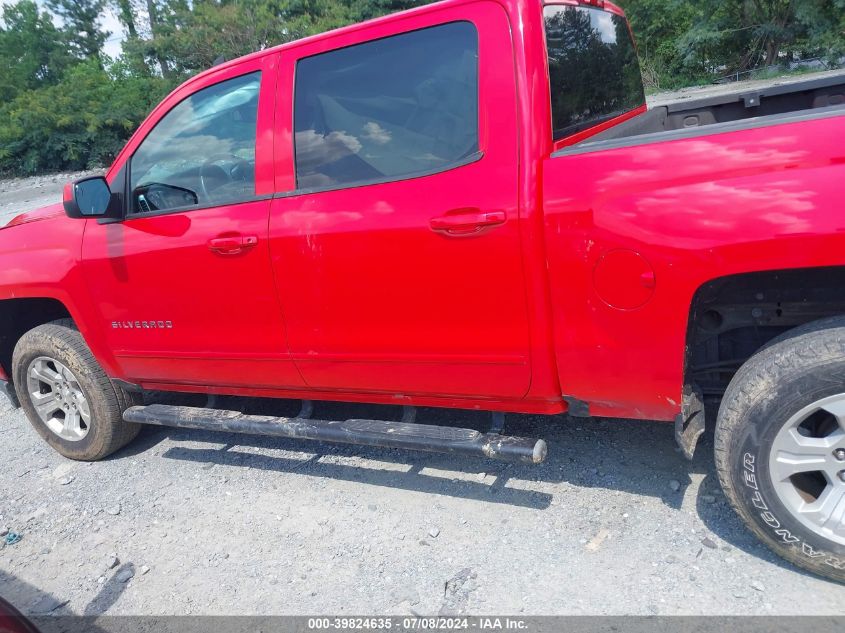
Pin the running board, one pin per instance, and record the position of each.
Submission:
(420, 437)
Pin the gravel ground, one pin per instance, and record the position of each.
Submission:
(704, 92)
(18, 195)
(185, 522)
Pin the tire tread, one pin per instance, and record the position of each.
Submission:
(806, 348)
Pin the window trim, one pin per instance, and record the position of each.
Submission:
(467, 160)
(128, 214)
(463, 162)
(152, 214)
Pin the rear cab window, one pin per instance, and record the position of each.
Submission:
(594, 72)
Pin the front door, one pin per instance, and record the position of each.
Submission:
(184, 283)
(397, 252)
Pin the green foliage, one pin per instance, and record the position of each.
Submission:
(81, 25)
(65, 105)
(658, 25)
(189, 38)
(31, 50)
(684, 42)
(81, 122)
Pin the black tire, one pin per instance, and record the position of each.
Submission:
(808, 328)
(792, 373)
(107, 432)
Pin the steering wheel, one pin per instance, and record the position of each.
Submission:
(213, 175)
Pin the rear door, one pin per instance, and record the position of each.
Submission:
(395, 241)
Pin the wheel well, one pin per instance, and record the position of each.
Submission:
(19, 316)
(733, 317)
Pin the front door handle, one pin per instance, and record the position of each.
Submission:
(467, 221)
(232, 244)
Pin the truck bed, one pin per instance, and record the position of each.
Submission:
(729, 112)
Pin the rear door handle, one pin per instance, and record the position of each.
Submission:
(467, 221)
(232, 244)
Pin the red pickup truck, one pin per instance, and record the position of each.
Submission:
(467, 205)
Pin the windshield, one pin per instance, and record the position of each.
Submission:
(593, 68)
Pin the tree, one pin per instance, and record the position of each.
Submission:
(187, 38)
(739, 35)
(657, 26)
(368, 9)
(32, 53)
(823, 32)
(64, 105)
(81, 25)
(157, 33)
(78, 123)
(127, 14)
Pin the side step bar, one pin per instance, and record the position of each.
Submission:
(421, 437)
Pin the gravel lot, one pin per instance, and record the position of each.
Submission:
(186, 522)
(716, 90)
(18, 195)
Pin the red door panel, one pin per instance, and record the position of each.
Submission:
(178, 309)
(414, 286)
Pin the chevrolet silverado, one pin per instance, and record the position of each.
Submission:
(467, 205)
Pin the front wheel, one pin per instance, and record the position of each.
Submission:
(67, 397)
(780, 447)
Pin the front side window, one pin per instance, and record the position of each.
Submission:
(202, 152)
(593, 68)
(386, 109)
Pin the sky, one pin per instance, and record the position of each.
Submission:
(108, 22)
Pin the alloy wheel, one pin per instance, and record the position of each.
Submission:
(58, 399)
(807, 467)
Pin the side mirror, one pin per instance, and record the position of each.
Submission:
(90, 198)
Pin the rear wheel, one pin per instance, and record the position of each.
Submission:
(780, 447)
(67, 396)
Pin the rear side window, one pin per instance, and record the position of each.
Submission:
(593, 68)
(391, 108)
